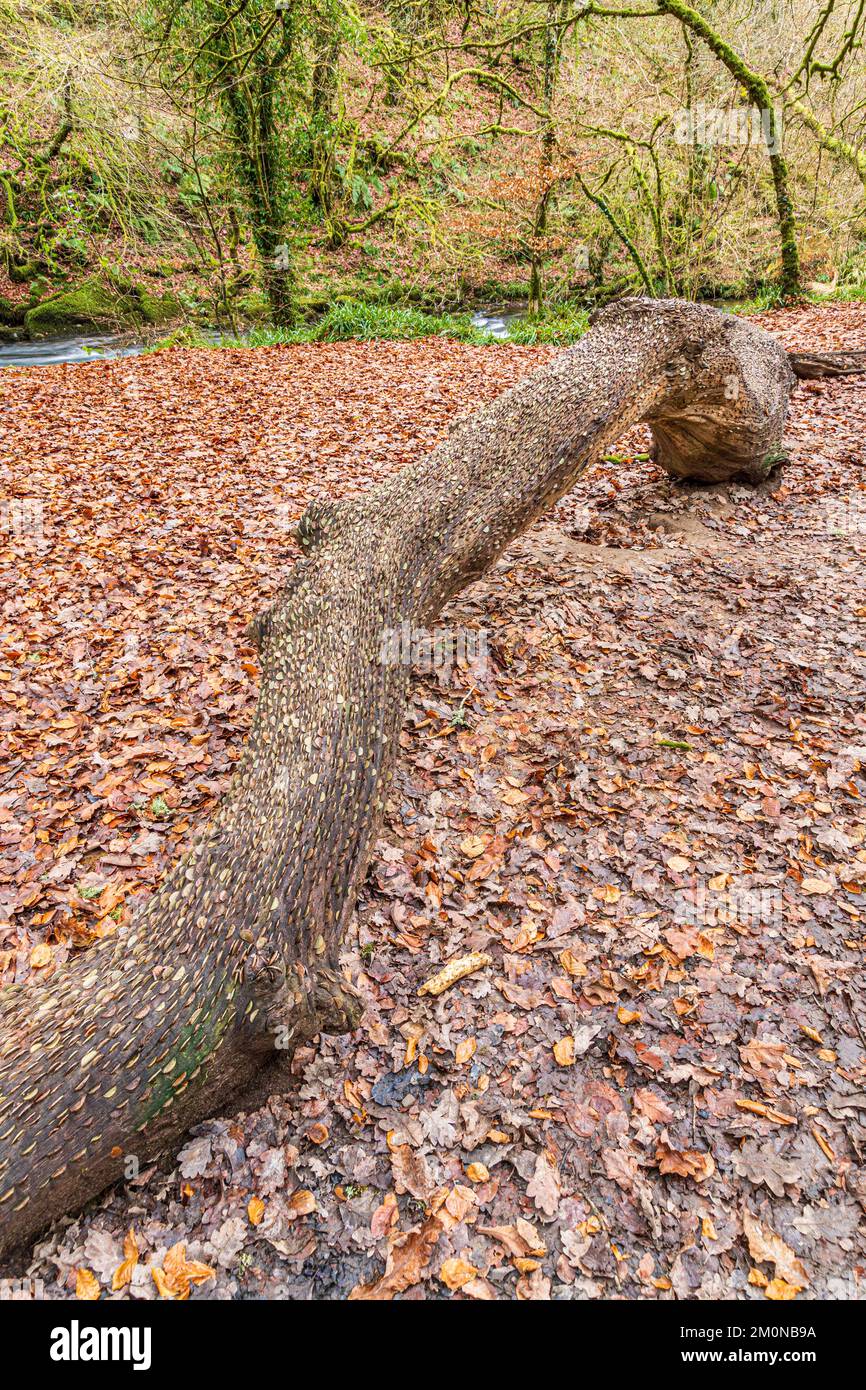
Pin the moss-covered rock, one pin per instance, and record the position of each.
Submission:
(97, 304)
(90, 305)
(253, 305)
(157, 309)
(11, 315)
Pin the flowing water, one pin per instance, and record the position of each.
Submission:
(84, 347)
(78, 348)
(94, 348)
(496, 321)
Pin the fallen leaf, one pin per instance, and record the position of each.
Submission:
(757, 1107)
(473, 846)
(86, 1285)
(544, 1185)
(781, 1292)
(456, 1272)
(408, 1258)
(519, 1240)
(477, 1172)
(765, 1245)
(686, 1163)
(174, 1277)
(455, 970)
(815, 886)
(123, 1274)
(678, 865)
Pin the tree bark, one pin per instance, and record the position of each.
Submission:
(809, 365)
(552, 45)
(759, 93)
(842, 149)
(199, 1002)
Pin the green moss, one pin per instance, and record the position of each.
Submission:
(89, 305)
(253, 305)
(157, 309)
(11, 315)
(96, 304)
(39, 288)
(773, 459)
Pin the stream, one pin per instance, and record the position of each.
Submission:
(496, 321)
(47, 352)
(83, 347)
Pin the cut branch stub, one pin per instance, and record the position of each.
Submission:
(810, 365)
(319, 523)
(174, 1017)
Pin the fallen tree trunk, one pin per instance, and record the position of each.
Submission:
(810, 365)
(234, 960)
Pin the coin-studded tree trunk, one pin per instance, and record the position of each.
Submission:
(195, 1005)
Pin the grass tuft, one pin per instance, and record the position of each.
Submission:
(354, 319)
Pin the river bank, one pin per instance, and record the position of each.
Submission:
(345, 320)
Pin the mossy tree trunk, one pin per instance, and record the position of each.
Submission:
(251, 106)
(852, 154)
(552, 40)
(759, 93)
(324, 124)
(243, 64)
(196, 1005)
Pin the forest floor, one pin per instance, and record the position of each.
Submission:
(640, 790)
